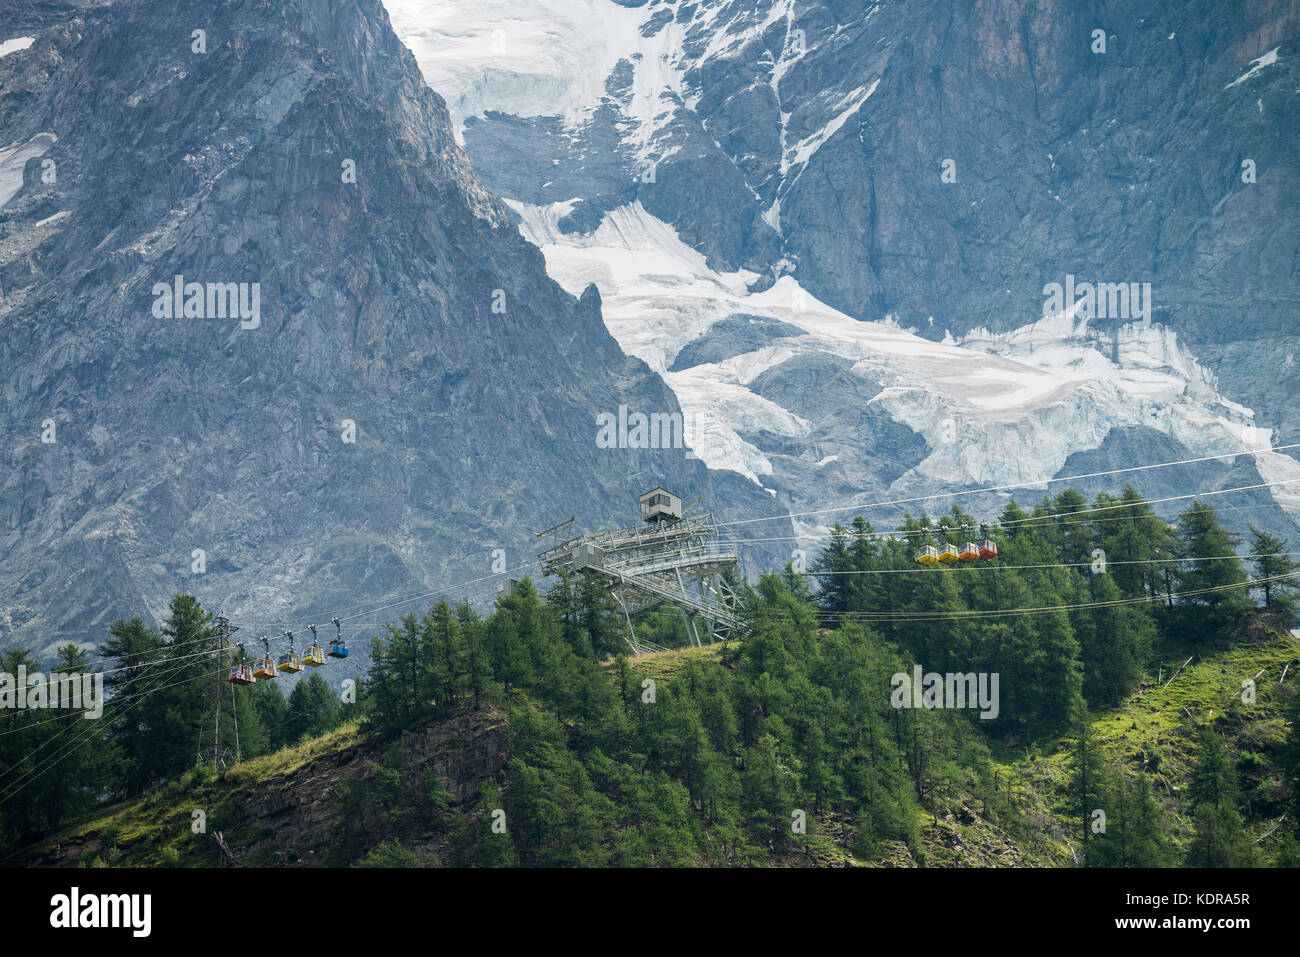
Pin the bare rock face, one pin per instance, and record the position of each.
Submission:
(367, 383)
(931, 159)
(938, 165)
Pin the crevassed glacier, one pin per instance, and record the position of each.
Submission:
(1004, 409)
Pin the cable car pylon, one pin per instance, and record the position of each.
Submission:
(669, 559)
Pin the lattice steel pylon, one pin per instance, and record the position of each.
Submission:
(222, 630)
(669, 559)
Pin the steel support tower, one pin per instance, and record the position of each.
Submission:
(667, 560)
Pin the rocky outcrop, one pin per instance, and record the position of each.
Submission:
(329, 807)
(410, 394)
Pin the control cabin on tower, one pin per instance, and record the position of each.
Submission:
(660, 505)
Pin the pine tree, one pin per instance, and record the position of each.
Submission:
(1137, 543)
(1148, 838)
(497, 847)
(1289, 762)
(927, 593)
(1212, 778)
(252, 735)
(1071, 535)
(178, 694)
(272, 712)
(600, 618)
(1279, 571)
(313, 708)
(1115, 642)
(67, 764)
(1220, 838)
(1091, 788)
(133, 648)
(518, 639)
(478, 662)
(1209, 574)
(446, 654)
(401, 672)
(833, 584)
(562, 601)
(1135, 834)
(28, 736)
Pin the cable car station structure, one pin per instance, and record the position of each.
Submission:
(668, 559)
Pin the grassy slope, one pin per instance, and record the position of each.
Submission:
(1153, 731)
(157, 830)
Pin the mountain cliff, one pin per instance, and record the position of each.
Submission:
(268, 338)
(914, 186)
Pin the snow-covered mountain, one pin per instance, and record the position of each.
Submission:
(829, 233)
(833, 228)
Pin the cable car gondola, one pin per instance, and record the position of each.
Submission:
(948, 554)
(927, 554)
(969, 551)
(290, 663)
(265, 667)
(241, 673)
(314, 656)
(338, 647)
(988, 548)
